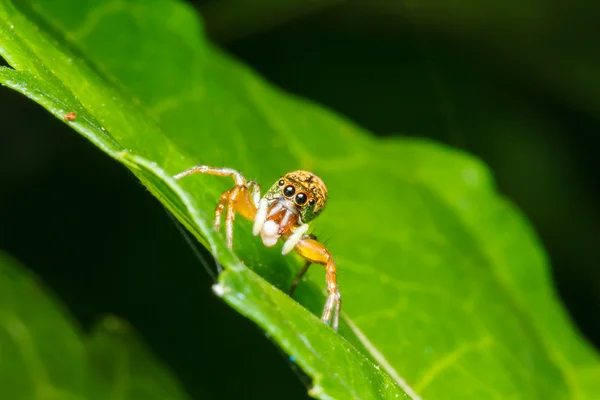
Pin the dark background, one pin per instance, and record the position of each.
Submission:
(516, 86)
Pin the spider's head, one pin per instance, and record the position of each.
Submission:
(295, 199)
(302, 192)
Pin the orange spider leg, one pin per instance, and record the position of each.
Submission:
(241, 198)
(317, 253)
(203, 169)
(220, 207)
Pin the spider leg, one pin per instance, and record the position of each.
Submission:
(220, 208)
(205, 169)
(254, 192)
(317, 253)
(299, 278)
(230, 216)
(242, 198)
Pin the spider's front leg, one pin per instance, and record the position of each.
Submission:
(242, 198)
(315, 252)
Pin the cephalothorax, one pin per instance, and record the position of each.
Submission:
(282, 213)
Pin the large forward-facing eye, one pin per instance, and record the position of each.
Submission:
(289, 191)
(301, 199)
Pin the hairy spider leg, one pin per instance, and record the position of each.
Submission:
(317, 253)
(230, 216)
(243, 198)
(204, 169)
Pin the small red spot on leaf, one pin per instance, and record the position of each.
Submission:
(70, 116)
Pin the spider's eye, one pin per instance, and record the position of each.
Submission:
(281, 182)
(311, 202)
(289, 191)
(301, 198)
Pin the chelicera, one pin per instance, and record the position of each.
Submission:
(282, 213)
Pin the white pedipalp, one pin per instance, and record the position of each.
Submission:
(270, 233)
(294, 238)
(261, 216)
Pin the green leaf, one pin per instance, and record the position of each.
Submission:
(122, 368)
(44, 356)
(446, 289)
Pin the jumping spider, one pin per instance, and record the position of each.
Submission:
(283, 212)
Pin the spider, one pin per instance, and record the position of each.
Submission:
(282, 213)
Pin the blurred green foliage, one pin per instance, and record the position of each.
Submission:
(463, 115)
(45, 356)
